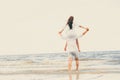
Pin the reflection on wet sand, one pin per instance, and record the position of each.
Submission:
(72, 74)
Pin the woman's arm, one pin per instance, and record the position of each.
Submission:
(60, 32)
(77, 43)
(86, 29)
(65, 48)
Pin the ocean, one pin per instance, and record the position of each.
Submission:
(57, 63)
(94, 65)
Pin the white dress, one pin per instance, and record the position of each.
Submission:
(70, 36)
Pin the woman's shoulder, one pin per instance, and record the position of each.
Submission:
(76, 24)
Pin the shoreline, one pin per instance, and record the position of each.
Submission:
(65, 71)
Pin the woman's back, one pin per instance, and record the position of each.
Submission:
(71, 40)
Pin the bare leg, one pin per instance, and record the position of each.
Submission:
(69, 63)
(77, 63)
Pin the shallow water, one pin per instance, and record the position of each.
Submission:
(101, 65)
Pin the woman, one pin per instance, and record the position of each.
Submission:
(72, 44)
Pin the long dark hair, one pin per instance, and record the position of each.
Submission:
(70, 22)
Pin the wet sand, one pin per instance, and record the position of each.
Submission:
(69, 76)
(88, 70)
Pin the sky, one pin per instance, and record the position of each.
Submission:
(32, 26)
